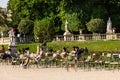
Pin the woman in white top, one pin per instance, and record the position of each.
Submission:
(40, 54)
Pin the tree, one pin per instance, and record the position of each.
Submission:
(96, 10)
(73, 22)
(96, 25)
(26, 26)
(4, 31)
(44, 30)
(4, 23)
(39, 9)
(3, 18)
(83, 10)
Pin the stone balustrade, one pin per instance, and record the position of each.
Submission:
(86, 37)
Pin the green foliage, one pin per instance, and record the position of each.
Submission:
(44, 30)
(82, 10)
(3, 18)
(5, 30)
(96, 10)
(26, 26)
(73, 22)
(96, 25)
(15, 7)
(115, 19)
(32, 46)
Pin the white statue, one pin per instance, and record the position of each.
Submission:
(109, 26)
(80, 31)
(66, 29)
(12, 37)
(66, 26)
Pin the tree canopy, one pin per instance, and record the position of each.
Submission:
(78, 12)
(43, 30)
(25, 26)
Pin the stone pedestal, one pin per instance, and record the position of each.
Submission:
(96, 37)
(57, 38)
(12, 46)
(111, 36)
(13, 50)
(67, 36)
(81, 37)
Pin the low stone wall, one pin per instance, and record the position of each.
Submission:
(86, 37)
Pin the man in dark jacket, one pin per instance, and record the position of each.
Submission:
(78, 53)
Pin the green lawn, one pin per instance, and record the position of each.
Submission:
(91, 45)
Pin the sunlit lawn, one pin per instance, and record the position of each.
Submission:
(91, 45)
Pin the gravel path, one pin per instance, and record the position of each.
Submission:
(17, 73)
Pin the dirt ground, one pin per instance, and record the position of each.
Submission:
(8, 72)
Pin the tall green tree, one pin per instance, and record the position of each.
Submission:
(44, 30)
(3, 18)
(26, 27)
(57, 9)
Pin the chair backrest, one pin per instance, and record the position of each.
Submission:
(109, 55)
(115, 57)
(119, 55)
(32, 55)
(88, 59)
(21, 56)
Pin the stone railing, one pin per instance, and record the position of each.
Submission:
(82, 37)
(86, 37)
(6, 40)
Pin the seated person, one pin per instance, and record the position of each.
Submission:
(40, 55)
(64, 53)
(26, 57)
(72, 53)
(7, 55)
(56, 55)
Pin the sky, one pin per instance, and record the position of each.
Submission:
(3, 3)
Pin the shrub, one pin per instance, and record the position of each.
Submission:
(96, 26)
(25, 26)
(43, 30)
(32, 46)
